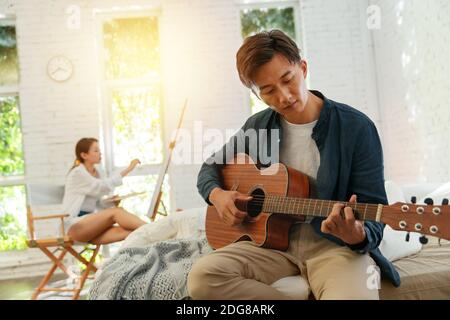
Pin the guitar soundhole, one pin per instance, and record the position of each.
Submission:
(254, 207)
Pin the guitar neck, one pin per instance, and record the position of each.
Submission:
(318, 208)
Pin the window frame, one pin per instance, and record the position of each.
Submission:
(19, 180)
(13, 91)
(108, 86)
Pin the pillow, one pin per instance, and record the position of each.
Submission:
(394, 192)
(439, 194)
(394, 245)
(295, 287)
(182, 224)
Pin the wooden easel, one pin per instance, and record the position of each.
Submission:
(157, 194)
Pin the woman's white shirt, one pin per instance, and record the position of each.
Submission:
(82, 186)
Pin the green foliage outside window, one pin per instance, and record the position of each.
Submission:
(132, 57)
(12, 228)
(11, 155)
(12, 198)
(265, 19)
(131, 48)
(9, 74)
(136, 126)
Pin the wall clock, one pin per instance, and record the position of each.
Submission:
(59, 68)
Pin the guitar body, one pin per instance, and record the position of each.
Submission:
(269, 230)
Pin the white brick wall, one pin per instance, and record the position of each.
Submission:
(412, 56)
(199, 39)
(338, 48)
(198, 59)
(54, 115)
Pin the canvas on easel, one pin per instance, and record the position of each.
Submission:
(157, 194)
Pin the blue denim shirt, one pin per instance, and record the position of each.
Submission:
(351, 162)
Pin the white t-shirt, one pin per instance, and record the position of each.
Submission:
(299, 151)
(81, 185)
(89, 204)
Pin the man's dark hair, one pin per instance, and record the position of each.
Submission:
(260, 49)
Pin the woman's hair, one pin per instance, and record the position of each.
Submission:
(259, 49)
(83, 145)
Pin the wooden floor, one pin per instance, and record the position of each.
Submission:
(22, 289)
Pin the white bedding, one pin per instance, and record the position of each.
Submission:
(188, 224)
(184, 224)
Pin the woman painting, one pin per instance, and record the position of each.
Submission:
(90, 220)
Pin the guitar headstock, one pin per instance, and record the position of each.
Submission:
(430, 219)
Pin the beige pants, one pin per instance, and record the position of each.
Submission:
(245, 271)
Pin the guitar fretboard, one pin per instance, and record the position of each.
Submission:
(318, 208)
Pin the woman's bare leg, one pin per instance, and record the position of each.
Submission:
(113, 234)
(97, 223)
(125, 219)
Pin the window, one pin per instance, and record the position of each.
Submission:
(12, 218)
(132, 95)
(260, 16)
(8, 54)
(12, 168)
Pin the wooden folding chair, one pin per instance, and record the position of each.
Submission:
(61, 243)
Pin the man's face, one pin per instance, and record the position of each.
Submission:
(281, 85)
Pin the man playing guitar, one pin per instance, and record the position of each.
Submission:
(338, 148)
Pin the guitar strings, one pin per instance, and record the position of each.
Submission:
(260, 198)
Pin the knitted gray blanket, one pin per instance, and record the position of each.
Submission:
(156, 272)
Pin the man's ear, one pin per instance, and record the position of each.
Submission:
(304, 67)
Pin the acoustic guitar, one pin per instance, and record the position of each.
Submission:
(280, 199)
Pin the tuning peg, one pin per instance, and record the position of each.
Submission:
(429, 201)
(407, 237)
(423, 240)
(413, 199)
(444, 201)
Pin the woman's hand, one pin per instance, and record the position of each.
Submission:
(131, 167)
(133, 164)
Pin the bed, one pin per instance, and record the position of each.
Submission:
(424, 274)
